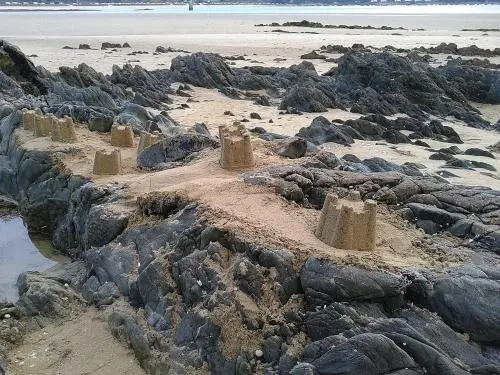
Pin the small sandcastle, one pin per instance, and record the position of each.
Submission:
(122, 136)
(348, 223)
(63, 130)
(42, 126)
(29, 119)
(107, 163)
(236, 148)
(148, 139)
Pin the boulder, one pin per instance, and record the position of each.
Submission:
(321, 130)
(173, 149)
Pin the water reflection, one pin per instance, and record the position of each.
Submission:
(20, 252)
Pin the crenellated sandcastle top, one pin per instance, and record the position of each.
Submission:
(107, 163)
(236, 148)
(348, 223)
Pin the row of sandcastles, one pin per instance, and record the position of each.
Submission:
(344, 223)
(59, 129)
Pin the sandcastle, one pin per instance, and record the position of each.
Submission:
(42, 125)
(122, 136)
(29, 119)
(236, 149)
(147, 139)
(348, 223)
(108, 163)
(63, 130)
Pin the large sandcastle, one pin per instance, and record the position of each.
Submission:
(107, 163)
(236, 148)
(122, 136)
(348, 223)
(63, 130)
(148, 139)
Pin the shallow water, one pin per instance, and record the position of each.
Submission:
(20, 252)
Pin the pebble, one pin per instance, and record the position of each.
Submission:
(259, 353)
(6, 316)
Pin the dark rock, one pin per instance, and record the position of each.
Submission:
(293, 148)
(44, 296)
(203, 69)
(418, 142)
(321, 130)
(324, 283)
(108, 45)
(313, 56)
(255, 116)
(290, 191)
(356, 356)
(479, 152)
(272, 349)
(173, 149)
(84, 46)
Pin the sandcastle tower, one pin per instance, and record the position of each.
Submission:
(63, 130)
(236, 149)
(147, 139)
(108, 163)
(28, 119)
(348, 223)
(122, 136)
(42, 125)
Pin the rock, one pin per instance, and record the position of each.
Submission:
(271, 349)
(418, 142)
(308, 98)
(40, 295)
(294, 148)
(203, 69)
(366, 353)
(321, 131)
(100, 123)
(464, 300)
(324, 283)
(84, 46)
(108, 45)
(479, 152)
(255, 116)
(228, 113)
(201, 128)
(290, 191)
(313, 56)
(304, 369)
(174, 149)
(16, 65)
(103, 225)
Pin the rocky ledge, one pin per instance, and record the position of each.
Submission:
(191, 296)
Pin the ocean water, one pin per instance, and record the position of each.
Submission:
(270, 9)
(20, 252)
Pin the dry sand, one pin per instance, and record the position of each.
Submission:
(81, 346)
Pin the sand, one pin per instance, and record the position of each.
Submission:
(231, 30)
(83, 345)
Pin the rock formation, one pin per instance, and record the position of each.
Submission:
(147, 139)
(236, 150)
(63, 130)
(107, 163)
(42, 126)
(348, 223)
(122, 136)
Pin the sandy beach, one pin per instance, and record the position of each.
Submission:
(168, 254)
